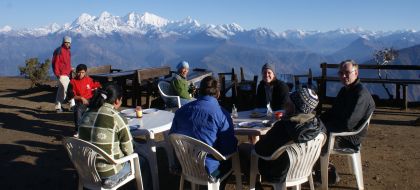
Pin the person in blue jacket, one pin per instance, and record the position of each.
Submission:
(205, 120)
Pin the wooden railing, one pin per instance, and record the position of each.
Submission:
(400, 84)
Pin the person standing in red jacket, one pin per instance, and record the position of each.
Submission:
(81, 89)
(61, 63)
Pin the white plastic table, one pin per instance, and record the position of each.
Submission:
(152, 123)
(253, 133)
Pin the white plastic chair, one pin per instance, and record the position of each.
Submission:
(166, 93)
(355, 161)
(302, 158)
(192, 153)
(83, 154)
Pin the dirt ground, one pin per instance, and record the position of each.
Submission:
(32, 157)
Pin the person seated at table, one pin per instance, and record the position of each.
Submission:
(103, 126)
(352, 106)
(299, 125)
(180, 84)
(205, 120)
(80, 91)
(271, 90)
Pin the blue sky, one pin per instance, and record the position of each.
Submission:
(278, 15)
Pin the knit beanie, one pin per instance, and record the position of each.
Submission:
(182, 64)
(269, 66)
(67, 39)
(305, 100)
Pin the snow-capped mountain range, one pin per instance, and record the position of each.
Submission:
(137, 40)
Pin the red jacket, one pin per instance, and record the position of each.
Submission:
(61, 61)
(84, 87)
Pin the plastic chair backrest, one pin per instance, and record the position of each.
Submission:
(302, 158)
(167, 93)
(83, 154)
(192, 154)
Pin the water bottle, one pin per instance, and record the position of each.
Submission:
(234, 112)
(269, 110)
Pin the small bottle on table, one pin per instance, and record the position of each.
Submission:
(139, 112)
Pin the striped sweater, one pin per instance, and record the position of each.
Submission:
(106, 129)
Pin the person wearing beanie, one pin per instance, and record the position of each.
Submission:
(299, 125)
(180, 84)
(271, 90)
(61, 64)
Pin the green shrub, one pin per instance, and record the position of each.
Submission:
(37, 72)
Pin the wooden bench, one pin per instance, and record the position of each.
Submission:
(145, 84)
(135, 83)
(97, 70)
(400, 84)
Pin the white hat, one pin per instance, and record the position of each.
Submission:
(67, 39)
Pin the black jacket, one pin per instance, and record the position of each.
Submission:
(299, 128)
(352, 107)
(279, 96)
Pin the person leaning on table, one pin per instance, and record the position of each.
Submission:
(271, 90)
(180, 84)
(80, 91)
(299, 125)
(103, 126)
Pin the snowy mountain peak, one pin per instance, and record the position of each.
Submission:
(152, 19)
(6, 29)
(83, 18)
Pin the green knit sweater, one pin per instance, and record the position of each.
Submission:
(106, 129)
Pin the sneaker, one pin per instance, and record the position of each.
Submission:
(72, 103)
(59, 110)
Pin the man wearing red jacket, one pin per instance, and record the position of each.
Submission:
(81, 90)
(61, 63)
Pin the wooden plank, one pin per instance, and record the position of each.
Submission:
(99, 69)
(384, 67)
(373, 80)
(150, 73)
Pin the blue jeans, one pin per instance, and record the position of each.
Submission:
(111, 181)
(79, 110)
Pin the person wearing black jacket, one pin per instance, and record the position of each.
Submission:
(271, 90)
(352, 107)
(299, 126)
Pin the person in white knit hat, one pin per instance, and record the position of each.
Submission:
(61, 64)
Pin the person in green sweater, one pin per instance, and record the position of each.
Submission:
(103, 126)
(180, 84)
